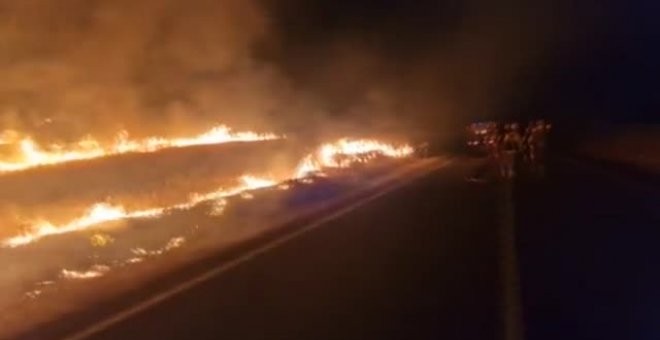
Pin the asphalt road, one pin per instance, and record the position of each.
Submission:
(589, 249)
(570, 256)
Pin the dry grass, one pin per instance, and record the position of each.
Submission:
(61, 192)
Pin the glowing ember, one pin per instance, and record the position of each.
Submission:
(32, 155)
(101, 240)
(34, 294)
(94, 272)
(218, 207)
(174, 243)
(141, 253)
(134, 260)
(247, 196)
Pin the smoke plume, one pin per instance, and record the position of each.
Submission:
(79, 66)
(74, 67)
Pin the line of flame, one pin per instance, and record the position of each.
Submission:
(326, 156)
(345, 152)
(91, 273)
(101, 213)
(33, 155)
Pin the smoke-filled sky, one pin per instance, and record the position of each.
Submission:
(143, 65)
(72, 67)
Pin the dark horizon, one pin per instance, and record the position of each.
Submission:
(595, 62)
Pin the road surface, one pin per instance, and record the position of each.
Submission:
(570, 256)
(589, 249)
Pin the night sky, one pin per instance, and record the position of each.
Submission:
(593, 61)
(611, 76)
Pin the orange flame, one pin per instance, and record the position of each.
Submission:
(33, 155)
(346, 152)
(92, 273)
(101, 213)
(340, 154)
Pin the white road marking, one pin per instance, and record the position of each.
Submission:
(229, 265)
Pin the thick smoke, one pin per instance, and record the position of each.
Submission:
(73, 67)
(79, 66)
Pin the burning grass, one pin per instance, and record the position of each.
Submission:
(116, 192)
(29, 154)
(97, 251)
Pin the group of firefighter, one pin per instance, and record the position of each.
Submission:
(509, 146)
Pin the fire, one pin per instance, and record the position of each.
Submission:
(257, 183)
(141, 253)
(32, 154)
(101, 240)
(94, 272)
(340, 154)
(248, 182)
(101, 213)
(346, 152)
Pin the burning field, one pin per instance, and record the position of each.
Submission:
(138, 136)
(75, 215)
